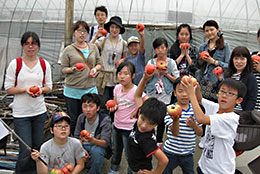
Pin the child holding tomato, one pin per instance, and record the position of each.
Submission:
(137, 49)
(160, 85)
(142, 141)
(98, 143)
(181, 133)
(218, 155)
(185, 55)
(61, 150)
(124, 108)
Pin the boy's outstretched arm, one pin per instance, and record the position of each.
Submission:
(140, 88)
(175, 127)
(200, 116)
(41, 168)
(162, 161)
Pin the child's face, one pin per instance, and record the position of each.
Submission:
(181, 95)
(90, 109)
(101, 17)
(184, 35)
(161, 51)
(134, 48)
(61, 129)
(114, 30)
(145, 125)
(124, 76)
(240, 63)
(227, 98)
(210, 32)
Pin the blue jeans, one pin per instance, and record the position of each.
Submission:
(97, 155)
(120, 141)
(184, 161)
(73, 110)
(30, 129)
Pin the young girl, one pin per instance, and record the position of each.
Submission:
(123, 124)
(240, 67)
(161, 84)
(185, 57)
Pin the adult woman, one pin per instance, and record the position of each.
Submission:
(186, 57)
(218, 55)
(29, 109)
(240, 67)
(79, 81)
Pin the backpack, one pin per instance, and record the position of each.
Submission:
(19, 63)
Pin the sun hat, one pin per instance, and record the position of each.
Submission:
(115, 20)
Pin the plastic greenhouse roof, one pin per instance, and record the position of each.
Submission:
(230, 14)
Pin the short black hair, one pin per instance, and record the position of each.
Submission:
(90, 97)
(176, 82)
(129, 65)
(237, 85)
(258, 33)
(159, 41)
(27, 35)
(154, 110)
(101, 8)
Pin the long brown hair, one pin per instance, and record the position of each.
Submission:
(220, 41)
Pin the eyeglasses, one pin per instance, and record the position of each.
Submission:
(82, 31)
(60, 127)
(229, 94)
(30, 44)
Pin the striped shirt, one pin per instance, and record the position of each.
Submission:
(185, 142)
(257, 76)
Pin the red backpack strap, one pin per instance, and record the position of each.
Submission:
(19, 63)
(43, 65)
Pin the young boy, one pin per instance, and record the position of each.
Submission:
(181, 133)
(218, 155)
(61, 149)
(99, 127)
(142, 140)
(101, 16)
(137, 57)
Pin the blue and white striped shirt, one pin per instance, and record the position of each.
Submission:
(185, 142)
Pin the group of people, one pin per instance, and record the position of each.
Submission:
(141, 101)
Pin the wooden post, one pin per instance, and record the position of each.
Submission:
(69, 9)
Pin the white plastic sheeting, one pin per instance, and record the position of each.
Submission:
(238, 19)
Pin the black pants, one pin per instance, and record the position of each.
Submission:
(73, 110)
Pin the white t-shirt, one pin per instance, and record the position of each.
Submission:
(23, 104)
(210, 106)
(218, 156)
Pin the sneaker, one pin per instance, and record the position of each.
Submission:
(112, 172)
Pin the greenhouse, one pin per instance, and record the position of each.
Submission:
(64, 95)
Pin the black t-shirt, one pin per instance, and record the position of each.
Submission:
(141, 147)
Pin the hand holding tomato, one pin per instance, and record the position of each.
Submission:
(140, 27)
(34, 91)
(256, 66)
(111, 105)
(80, 66)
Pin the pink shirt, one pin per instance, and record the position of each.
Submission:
(126, 107)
